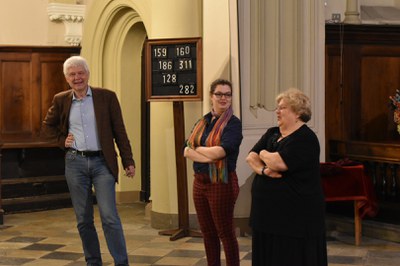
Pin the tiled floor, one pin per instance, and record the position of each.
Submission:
(50, 238)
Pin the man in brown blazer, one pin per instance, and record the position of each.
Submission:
(87, 122)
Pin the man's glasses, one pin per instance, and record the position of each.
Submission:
(220, 94)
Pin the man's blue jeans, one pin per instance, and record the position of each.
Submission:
(82, 173)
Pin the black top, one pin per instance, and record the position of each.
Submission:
(230, 141)
(294, 204)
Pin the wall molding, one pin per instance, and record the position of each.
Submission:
(72, 16)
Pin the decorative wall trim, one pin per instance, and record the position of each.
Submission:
(72, 16)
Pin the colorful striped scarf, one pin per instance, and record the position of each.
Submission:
(218, 169)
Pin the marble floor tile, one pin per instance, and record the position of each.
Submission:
(50, 247)
(14, 261)
(176, 261)
(20, 253)
(150, 260)
(143, 251)
(50, 238)
(63, 256)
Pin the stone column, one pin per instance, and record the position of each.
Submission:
(351, 15)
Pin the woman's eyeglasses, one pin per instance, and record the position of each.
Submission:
(280, 108)
(220, 94)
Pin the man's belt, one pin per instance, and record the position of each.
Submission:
(87, 153)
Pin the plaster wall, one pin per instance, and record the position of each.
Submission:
(25, 22)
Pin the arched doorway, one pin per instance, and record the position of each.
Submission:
(114, 34)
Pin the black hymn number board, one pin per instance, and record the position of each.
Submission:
(174, 70)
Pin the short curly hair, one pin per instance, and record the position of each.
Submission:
(298, 102)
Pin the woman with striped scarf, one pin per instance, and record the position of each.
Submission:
(213, 146)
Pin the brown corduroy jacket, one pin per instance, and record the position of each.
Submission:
(110, 125)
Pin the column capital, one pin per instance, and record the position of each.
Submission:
(72, 16)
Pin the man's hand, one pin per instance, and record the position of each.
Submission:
(130, 171)
(69, 140)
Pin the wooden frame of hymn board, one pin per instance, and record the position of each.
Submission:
(174, 69)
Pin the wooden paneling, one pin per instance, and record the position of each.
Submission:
(29, 78)
(368, 151)
(362, 71)
(380, 77)
(1, 209)
(16, 96)
(31, 170)
(52, 79)
(333, 94)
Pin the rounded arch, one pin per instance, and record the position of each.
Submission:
(105, 30)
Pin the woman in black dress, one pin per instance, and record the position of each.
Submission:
(288, 208)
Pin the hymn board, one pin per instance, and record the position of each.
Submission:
(174, 73)
(174, 70)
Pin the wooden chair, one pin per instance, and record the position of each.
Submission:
(349, 183)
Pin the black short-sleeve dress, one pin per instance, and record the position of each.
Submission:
(288, 214)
